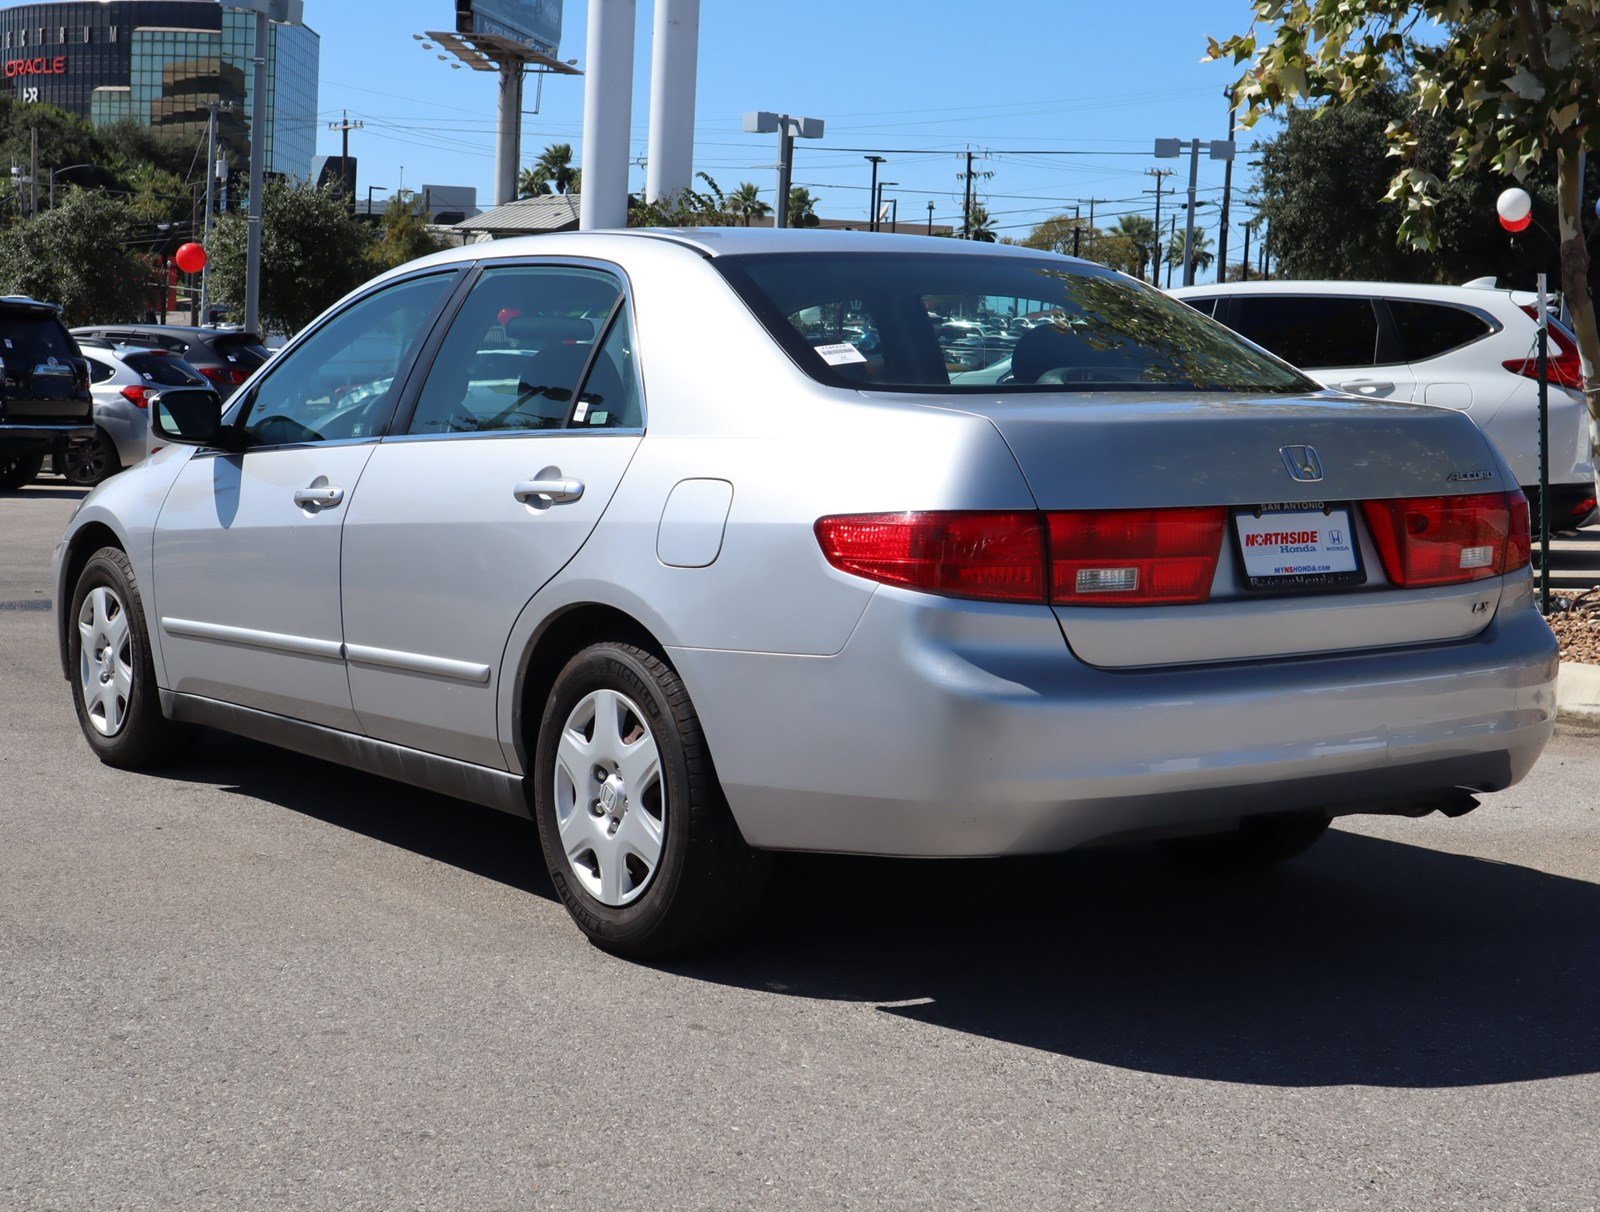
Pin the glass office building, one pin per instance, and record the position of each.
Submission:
(162, 63)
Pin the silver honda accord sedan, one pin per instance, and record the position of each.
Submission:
(690, 546)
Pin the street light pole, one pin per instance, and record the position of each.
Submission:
(872, 195)
(788, 128)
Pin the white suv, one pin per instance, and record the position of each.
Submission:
(1471, 348)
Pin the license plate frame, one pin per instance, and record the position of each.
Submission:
(1335, 516)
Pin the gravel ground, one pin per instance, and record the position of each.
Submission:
(1578, 626)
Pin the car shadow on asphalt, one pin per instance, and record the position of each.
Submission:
(35, 493)
(1365, 962)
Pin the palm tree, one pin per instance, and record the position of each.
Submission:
(802, 207)
(979, 225)
(747, 204)
(530, 184)
(554, 167)
(1135, 243)
(1203, 256)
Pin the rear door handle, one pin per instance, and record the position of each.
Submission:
(543, 493)
(1367, 387)
(318, 498)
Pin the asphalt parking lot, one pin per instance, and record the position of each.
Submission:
(260, 981)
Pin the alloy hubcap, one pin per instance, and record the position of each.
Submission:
(105, 660)
(611, 806)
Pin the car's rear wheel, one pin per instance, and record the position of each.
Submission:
(639, 841)
(1260, 841)
(19, 469)
(88, 463)
(113, 675)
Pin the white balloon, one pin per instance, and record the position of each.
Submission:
(1514, 205)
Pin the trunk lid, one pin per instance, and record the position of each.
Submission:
(1142, 451)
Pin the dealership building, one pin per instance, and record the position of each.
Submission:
(162, 63)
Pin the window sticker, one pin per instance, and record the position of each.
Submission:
(841, 354)
(581, 411)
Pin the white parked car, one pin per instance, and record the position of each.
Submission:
(1471, 348)
(121, 379)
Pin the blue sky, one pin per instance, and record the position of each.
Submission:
(923, 81)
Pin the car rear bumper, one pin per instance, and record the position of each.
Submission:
(959, 729)
(43, 435)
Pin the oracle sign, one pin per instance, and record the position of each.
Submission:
(36, 67)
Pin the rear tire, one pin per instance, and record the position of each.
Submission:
(89, 463)
(19, 469)
(113, 675)
(639, 841)
(1260, 841)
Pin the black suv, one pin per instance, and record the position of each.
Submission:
(226, 356)
(45, 404)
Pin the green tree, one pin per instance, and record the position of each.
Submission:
(979, 225)
(747, 204)
(403, 235)
(1132, 244)
(802, 207)
(157, 196)
(531, 185)
(1057, 234)
(1514, 78)
(77, 255)
(554, 168)
(689, 208)
(1202, 255)
(313, 252)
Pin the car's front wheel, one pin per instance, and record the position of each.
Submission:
(19, 469)
(113, 675)
(639, 841)
(88, 463)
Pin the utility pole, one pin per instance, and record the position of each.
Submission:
(968, 177)
(346, 177)
(1244, 266)
(1077, 228)
(205, 232)
(872, 203)
(1172, 149)
(258, 178)
(1227, 197)
(930, 218)
(1172, 239)
(33, 178)
(1161, 175)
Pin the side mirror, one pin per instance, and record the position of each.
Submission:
(188, 416)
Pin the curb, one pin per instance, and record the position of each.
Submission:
(1578, 690)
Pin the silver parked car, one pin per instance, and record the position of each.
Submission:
(499, 524)
(121, 378)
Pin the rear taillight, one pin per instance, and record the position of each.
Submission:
(1449, 540)
(1108, 557)
(232, 376)
(994, 556)
(137, 394)
(1565, 366)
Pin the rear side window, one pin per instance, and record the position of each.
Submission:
(1309, 332)
(1430, 329)
(239, 351)
(163, 369)
(99, 371)
(28, 338)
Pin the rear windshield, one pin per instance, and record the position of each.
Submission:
(164, 369)
(241, 351)
(985, 323)
(28, 338)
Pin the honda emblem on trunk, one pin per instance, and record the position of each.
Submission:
(1302, 462)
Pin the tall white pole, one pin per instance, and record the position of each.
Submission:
(258, 178)
(211, 193)
(607, 112)
(1188, 227)
(508, 145)
(673, 69)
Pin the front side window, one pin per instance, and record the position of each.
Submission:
(1311, 332)
(514, 353)
(959, 322)
(340, 381)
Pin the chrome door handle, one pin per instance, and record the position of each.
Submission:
(543, 493)
(318, 498)
(1367, 387)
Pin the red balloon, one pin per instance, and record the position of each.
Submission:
(508, 314)
(191, 258)
(1517, 224)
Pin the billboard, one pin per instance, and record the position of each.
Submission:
(535, 23)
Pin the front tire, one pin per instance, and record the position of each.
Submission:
(19, 469)
(638, 839)
(113, 675)
(1260, 841)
